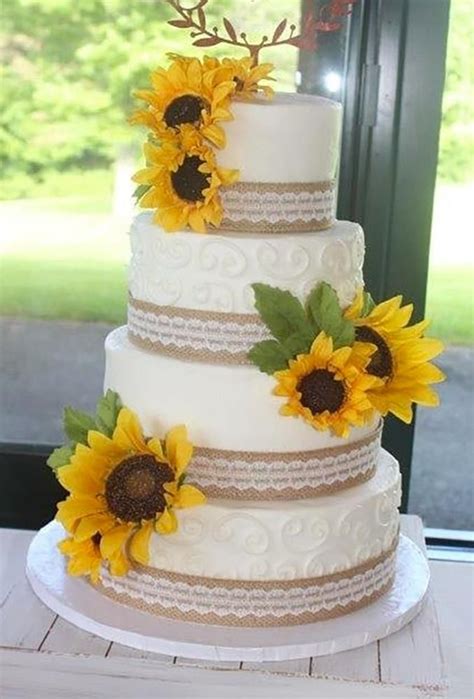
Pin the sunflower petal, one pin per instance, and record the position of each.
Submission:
(179, 449)
(113, 540)
(128, 434)
(155, 446)
(139, 543)
(189, 496)
(75, 507)
(93, 524)
(166, 522)
(119, 564)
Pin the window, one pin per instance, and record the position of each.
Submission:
(67, 199)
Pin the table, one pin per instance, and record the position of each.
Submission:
(43, 656)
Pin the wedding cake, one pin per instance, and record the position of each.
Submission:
(233, 473)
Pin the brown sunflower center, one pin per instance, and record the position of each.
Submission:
(320, 391)
(188, 182)
(381, 362)
(134, 490)
(184, 110)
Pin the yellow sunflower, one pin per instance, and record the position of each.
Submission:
(402, 357)
(328, 388)
(188, 92)
(84, 557)
(246, 77)
(242, 72)
(184, 181)
(122, 488)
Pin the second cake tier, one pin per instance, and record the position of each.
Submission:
(191, 295)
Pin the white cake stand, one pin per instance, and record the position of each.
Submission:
(81, 604)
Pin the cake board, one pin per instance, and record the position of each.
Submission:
(79, 603)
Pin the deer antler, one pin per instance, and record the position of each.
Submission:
(327, 20)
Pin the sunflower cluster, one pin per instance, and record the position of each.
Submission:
(122, 488)
(184, 110)
(337, 368)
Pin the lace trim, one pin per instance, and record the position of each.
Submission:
(285, 207)
(205, 336)
(270, 476)
(244, 603)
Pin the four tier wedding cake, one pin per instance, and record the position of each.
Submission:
(233, 473)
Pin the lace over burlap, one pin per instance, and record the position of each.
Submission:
(287, 475)
(203, 336)
(278, 207)
(253, 603)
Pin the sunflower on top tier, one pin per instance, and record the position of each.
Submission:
(242, 72)
(246, 77)
(183, 181)
(402, 359)
(188, 92)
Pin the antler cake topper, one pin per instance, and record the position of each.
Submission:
(328, 19)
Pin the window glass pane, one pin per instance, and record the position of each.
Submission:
(442, 470)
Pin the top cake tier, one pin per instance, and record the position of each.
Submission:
(292, 138)
(287, 152)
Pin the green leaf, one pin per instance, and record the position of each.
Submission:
(298, 343)
(140, 191)
(323, 305)
(60, 457)
(269, 356)
(326, 315)
(368, 304)
(281, 312)
(108, 409)
(345, 334)
(77, 424)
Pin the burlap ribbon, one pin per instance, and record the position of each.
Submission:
(201, 336)
(278, 207)
(284, 475)
(253, 603)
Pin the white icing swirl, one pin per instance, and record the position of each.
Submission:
(303, 535)
(285, 263)
(217, 296)
(170, 252)
(245, 532)
(223, 257)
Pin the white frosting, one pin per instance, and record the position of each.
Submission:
(285, 539)
(215, 272)
(291, 138)
(224, 407)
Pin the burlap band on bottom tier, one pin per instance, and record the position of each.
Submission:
(278, 207)
(253, 603)
(284, 475)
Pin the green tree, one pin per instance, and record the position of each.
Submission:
(456, 153)
(69, 69)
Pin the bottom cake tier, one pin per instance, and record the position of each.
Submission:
(272, 563)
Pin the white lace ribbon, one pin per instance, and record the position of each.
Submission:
(278, 207)
(253, 603)
(205, 336)
(287, 475)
